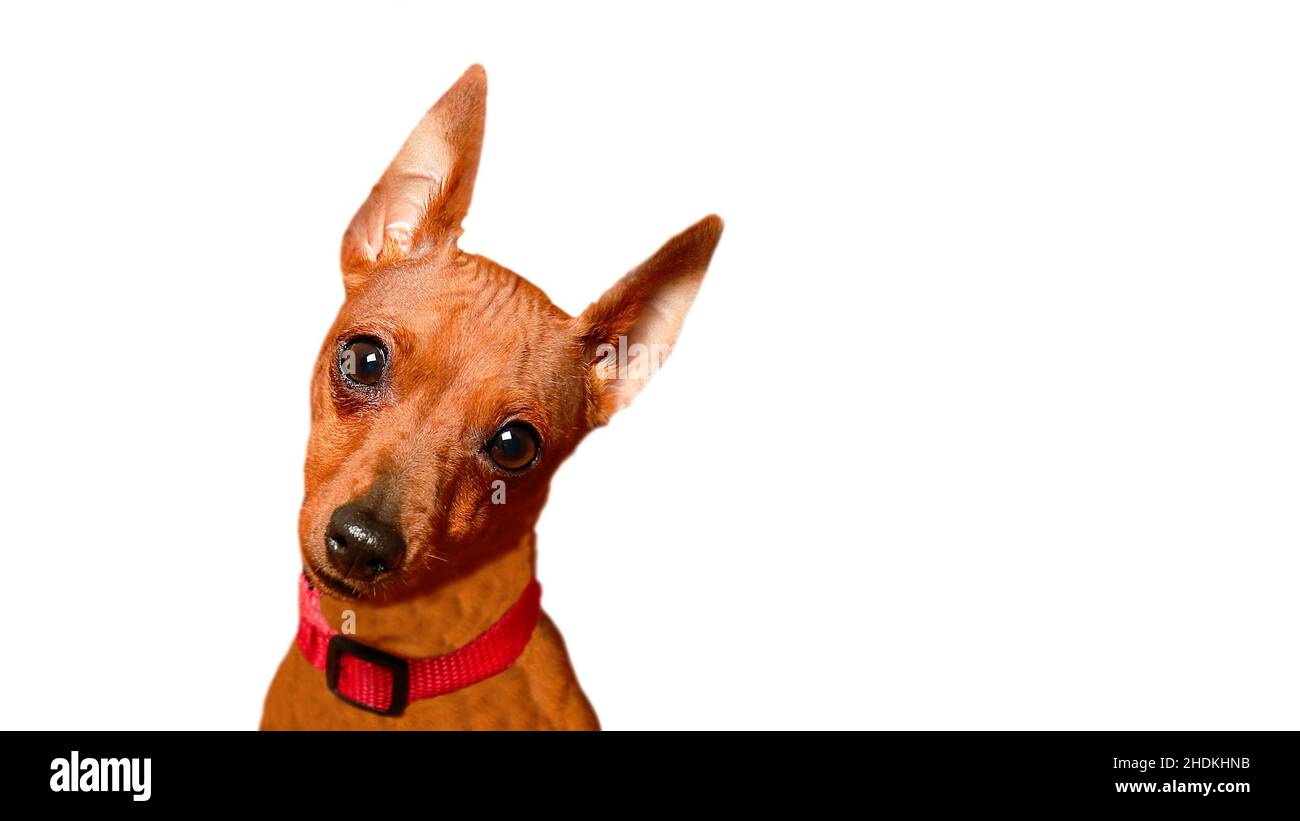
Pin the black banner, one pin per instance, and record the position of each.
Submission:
(1153, 771)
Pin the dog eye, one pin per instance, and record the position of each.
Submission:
(362, 361)
(514, 447)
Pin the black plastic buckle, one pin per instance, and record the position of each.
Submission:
(341, 645)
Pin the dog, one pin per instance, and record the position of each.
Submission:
(446, 394)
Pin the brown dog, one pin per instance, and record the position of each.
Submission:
(447, 392)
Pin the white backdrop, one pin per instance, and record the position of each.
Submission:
(986, 416)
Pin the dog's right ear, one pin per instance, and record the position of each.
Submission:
(417, 206)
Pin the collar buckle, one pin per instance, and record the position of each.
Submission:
(398, 668)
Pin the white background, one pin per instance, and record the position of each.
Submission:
(986, 416)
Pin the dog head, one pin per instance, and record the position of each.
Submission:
(449, 388)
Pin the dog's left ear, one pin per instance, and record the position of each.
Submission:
(418, 204)
(630, 330)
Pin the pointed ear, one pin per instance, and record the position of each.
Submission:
(418, 204)
(631, 329)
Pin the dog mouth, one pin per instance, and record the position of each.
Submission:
(339, 588)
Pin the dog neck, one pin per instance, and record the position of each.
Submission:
(447, 617)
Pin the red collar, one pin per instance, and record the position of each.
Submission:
(384, 683)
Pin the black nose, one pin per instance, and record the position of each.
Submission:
(360, 545)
